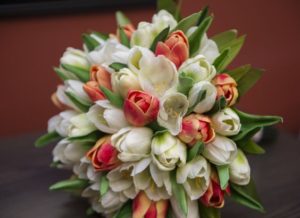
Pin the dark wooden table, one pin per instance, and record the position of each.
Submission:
(25, 176)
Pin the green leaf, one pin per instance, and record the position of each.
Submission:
(246, 195)
(125, 211)
(222, 39)
(209, 212)
(123, 38)
(195, 38)
(60, 74)
(160, 37)
(90, 138)
(188, 22)
(155, 126)
(195, 150)
(104, 185)
(82, 74)
(90, 42)
(239, 73)
(185, 83)
(89, 211)
(248, 80)
(179, 193)
(203, 15)
(82, 106)
(251, 122)
(241, 142)
(252, 148)
(172, 6)
(117, 66)
(47, 139)
(220, 60)
(122, 20)
(70, 184)
(219, 105)
(114, 98)
(101, 35)
(200, 97)
(223, 172)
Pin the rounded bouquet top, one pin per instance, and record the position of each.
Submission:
(148, 123)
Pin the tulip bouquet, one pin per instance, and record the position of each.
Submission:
(149, 124)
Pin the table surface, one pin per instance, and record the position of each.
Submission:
(25, 176)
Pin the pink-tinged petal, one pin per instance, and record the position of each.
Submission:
(140, 205)
(151, 213)
(162, 49)
(99, 75)
(162, 208)
(91, 88)
(181, 52)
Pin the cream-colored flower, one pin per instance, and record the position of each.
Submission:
(107, 117)
(195, 177)
(76, 58)
(167, 151)
(198, 68)
(239, 169)
(220, 151)
(133, 143)
(173, 106)
(125, 80)
(80, 126)
(226, 122)
(85, 170)
(164, 19)
(208, 101)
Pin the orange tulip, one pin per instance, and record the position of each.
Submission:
(214, 196)
(196, 127)
(144, 207)
(227, 87)
(175, 48)
(103, 155)
(98, 77)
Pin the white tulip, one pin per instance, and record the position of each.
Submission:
(153, 181)
(124, 80)
(76, 58)
(164, 18)
(96, 37)
(133, 143)
(226, 122)
(208, 47)
(120, 180)
(76, 87)
(63, 98)
(167, 151)
(80, 126)
(193, 210)
(239, 169)
(173, 106)
(61, 122)
(85, 170)
(157, 75)
(111, 51)
(209, 100)
(198, 68)
(195, 177)
(135, 55)
(68, 153)
(107, 117)
(220, 151)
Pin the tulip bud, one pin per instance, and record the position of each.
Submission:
(143, 207)
(173, 107)
(208, 100)
(227, 87)
(133, 143)
(239, 169)
(107, 117)
(196, 127)
(175, 48)
(103, 155)
(195, 177)
(214, 196)
(68, 153)
(140, 108)
(76, 58)
(167, 151)
(226, 122)
(80, 126)
(220, 151)
(93, 91)
(198, 68)
(124, 81)
(76, 88)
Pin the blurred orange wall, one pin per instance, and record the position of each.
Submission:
(31, 46)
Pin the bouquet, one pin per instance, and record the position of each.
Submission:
(149, 125)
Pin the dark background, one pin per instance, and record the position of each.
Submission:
(32, 45)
